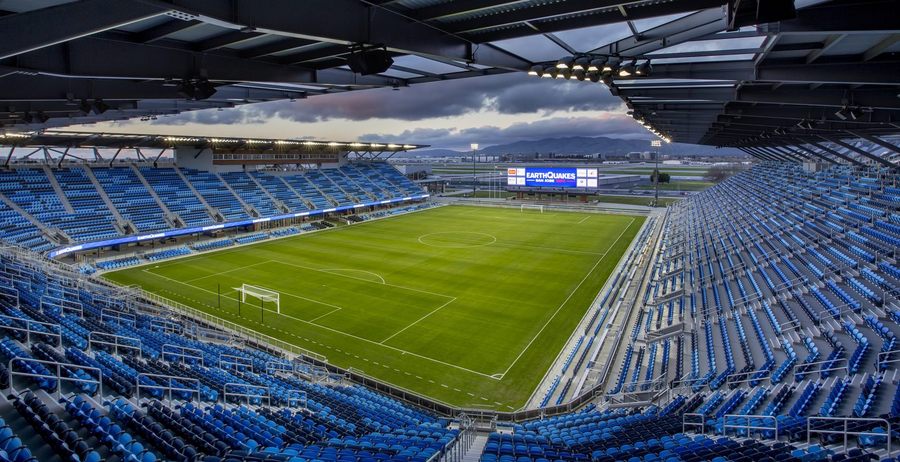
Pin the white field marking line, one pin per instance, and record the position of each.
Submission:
(228, 271)
(417, 320)
(342, 332)
(463, 246)
(336, 271)
(584, 219)
(281, 292)
(326, 314)
(364, 280)
(566, 300)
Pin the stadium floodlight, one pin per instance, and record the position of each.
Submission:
(549, 73)
(393, 146)
(536, 70)
(565, 63)
(577, 75)
(627, 69)
(563, 74)
(581, 63)
(644, 68)
(597, 64)
(409, 146)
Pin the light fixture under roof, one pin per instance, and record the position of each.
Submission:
(565, 63)
(627, 69)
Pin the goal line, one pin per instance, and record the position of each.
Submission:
(260, 293)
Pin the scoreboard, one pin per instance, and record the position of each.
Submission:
(552, 177)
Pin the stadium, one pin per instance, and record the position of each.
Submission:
(201, 297)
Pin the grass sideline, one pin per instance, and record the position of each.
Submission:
(469, 305)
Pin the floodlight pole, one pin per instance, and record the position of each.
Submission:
(474, 147)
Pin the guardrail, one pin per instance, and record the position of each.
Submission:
(119, 317)
(227, 361)
(59, 377)
(114, 342)
(65, 306)
(457, 448)
(168, 389)
(273, 367)
(183, 353)
(29, 328)
(846, 431)
(749, 425)
(685, 423)
(249, 395)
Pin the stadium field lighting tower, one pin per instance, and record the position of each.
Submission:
(474, 147)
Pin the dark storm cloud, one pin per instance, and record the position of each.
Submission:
(507, 94)
(618, 126)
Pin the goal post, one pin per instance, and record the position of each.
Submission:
(260, 293)
(538, 207)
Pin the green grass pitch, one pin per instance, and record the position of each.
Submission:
(469, 305)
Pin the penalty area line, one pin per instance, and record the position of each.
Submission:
(482, 374)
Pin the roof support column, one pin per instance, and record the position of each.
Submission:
(863, 152)
(822, 147)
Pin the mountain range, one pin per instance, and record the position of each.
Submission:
(580, 145)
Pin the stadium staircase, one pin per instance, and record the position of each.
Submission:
(247, 207)
(172, 218)
(121, 224)
(306, 202)
(213, 212)
(60, 194)
(282, 207)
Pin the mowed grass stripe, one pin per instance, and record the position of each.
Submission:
(452, 314)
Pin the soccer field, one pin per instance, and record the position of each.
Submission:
(469, 305)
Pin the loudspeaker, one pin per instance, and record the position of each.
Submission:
(367, 62)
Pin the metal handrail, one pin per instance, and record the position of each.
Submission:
(227, 361)
(749, 425)
(278, 366)
(63, 305)
(115, 343)
(701, 423)
(846, 431)
(267, 395)
(59, 377)
(118, 316)
(29, 331)
(182, 352)
(167, 388)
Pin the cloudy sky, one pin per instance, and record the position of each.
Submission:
(449, 114)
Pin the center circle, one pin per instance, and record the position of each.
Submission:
(457, 239)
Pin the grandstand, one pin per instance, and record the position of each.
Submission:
(757, 320)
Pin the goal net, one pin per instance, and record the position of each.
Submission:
(260, 293)
(524, 207)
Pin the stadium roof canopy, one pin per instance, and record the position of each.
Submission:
(811, 82)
